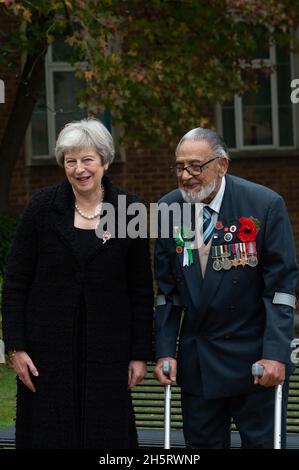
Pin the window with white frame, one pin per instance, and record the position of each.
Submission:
(57, 105)
(262, 119)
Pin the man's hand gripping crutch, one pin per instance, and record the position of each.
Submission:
(165, 372)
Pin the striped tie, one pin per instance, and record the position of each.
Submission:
(208, 224)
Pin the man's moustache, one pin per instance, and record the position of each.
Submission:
(189, 182)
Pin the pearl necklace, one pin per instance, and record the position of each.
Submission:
(97, 213)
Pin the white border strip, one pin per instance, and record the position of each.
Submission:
(284, 299)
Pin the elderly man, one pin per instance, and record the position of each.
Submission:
(235, 283)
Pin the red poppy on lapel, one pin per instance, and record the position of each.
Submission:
(248, 230)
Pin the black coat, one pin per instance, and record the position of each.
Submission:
(51, 299)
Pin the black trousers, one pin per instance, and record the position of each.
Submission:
(207, 422)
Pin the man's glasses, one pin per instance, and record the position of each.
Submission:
(194, 169)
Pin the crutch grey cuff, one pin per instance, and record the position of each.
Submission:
(284, 299)
(161, 300)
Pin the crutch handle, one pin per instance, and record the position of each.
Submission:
(257, 370)
(166, 368)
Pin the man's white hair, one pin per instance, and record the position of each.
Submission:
(217, 144)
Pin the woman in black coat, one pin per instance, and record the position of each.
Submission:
(77, 306)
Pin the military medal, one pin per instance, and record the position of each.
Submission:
(236, 260)
(217, 265)
(216, 253)
(226, 263)
(252, 260)
(242, 254)
(243, 259)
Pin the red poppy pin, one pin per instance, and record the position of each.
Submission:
(248, 229)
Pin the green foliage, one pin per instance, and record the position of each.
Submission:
(7, 396)
(8, 225)
(158, 65)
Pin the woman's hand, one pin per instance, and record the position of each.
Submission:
(22, 364)
(136, 372)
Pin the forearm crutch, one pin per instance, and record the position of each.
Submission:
(167, 406)
(258, 370)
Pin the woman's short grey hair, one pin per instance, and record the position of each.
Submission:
(217, 144)
(88, 132)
